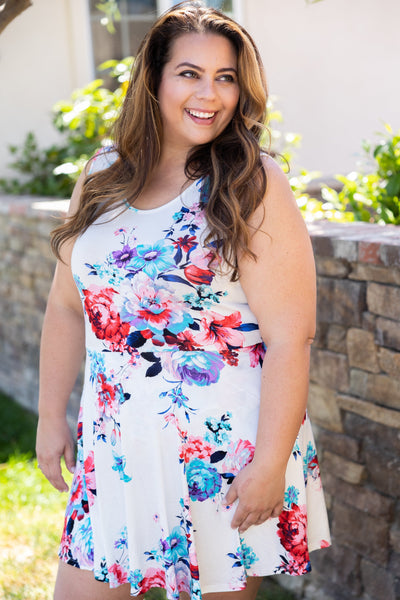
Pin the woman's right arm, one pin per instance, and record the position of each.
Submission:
(61, 355)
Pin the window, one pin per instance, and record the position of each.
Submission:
(137, 16)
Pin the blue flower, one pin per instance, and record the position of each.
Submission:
(247, 555)
(135, 577)
(108, 272)
(177, 545)
(310, 463)
(83, 538)
(119, 466)
(122, 541)
(203, 480)
(291, 497)
(97, 365)
(153, 258)
(197, 368)
(217, 429)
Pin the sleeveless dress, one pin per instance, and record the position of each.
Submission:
(169, 414)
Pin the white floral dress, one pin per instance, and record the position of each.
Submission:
(169, 414)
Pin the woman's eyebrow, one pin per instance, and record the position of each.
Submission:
(192, 66)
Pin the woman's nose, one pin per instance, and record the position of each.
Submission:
(206, 89)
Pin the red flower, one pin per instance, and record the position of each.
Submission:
(120, 574)
(184, 340)
(152, 578)
(108, 400)
(77, 489)
(231, 357)
(198, 276)
(90, 477)
(186, 243)
(292, 530)
(195, 447)
(104, 318)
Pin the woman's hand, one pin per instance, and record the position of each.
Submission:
(260, 493)
(54, 441)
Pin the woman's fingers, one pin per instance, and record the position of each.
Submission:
(52, 471)
(69, 457)
(253, 518)
(244, 518)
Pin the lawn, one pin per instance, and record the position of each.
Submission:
(31, 516)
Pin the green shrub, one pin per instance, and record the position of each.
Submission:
(374, 196)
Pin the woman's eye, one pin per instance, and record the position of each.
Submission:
(188, 74)
(227, 77)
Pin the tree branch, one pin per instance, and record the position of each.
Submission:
(10, 9)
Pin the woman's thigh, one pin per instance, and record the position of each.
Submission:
(253, 584)
(79, 584)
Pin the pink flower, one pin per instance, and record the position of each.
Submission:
(221, 331)
(201, 257)
(152, 578)
(238, 455)
(256, 354)
(150, 307)
(195, 447)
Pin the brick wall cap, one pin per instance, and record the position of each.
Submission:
(32, 206)
(366, 232)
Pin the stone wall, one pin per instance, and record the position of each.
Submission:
(354, 392)
(354, 404)
(26, 270)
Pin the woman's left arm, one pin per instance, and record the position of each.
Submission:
(280, 288)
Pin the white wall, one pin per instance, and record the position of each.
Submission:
(335, 67)
(44, 54)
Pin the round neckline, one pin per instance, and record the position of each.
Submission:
(169, 203)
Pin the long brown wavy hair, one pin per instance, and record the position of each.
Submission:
(237, 180)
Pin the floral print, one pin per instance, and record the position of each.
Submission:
(169, 414)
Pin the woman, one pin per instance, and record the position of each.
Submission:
(186, 250)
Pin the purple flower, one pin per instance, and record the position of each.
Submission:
(203, 480)
(195, 368)
(122, 257)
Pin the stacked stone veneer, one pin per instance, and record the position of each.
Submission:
(354, 393)
(355, 407)
(26, 270)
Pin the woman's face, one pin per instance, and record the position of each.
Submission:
(199, 90)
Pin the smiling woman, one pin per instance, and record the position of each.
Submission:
(199, 91)
(190, 283)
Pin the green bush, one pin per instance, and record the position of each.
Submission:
(374, 196)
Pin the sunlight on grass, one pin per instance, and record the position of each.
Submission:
(32, 513)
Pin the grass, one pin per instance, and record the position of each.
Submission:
(31, 516)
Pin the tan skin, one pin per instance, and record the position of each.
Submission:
(279, 286)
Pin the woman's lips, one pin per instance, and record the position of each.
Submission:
(201, 117)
